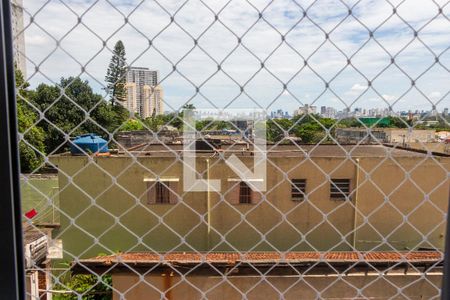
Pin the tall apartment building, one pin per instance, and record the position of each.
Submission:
(18, 35)
(306, 109)
(144, 94)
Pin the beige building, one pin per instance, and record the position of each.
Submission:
(336, 222)
(329, 201)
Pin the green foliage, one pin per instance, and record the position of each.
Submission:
(210, 124)
(65, 106)
(155, 122)
(31, 151)
(276, 129)
(132, 125)
(87, 285)
(116, 73)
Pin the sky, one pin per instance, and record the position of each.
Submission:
(253, 54)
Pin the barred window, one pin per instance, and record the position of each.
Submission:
(298, 189)
(339, 189)
(245, 193)
(162, 194)
(162, 191)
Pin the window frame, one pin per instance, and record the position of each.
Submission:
(161, 187)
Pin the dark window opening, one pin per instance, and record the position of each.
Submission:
(339, 189)
(245, 193)
(162, 193)
(298, 189)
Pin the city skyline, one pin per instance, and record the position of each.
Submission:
(261, 62)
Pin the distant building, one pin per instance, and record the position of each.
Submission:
(306, 109)
(144, 94)
(384, 135)
(370, 121)
(323, 110)
(445, 113)
(18, 35)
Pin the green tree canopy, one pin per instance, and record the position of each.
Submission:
(31, 147)
(72, 108)
(116, 74)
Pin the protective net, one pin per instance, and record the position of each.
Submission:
(233, 149)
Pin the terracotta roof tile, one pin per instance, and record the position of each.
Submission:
(264, 257)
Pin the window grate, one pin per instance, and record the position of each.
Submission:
(162, 193)
(245, 193)
(298, 189)
(339, 189)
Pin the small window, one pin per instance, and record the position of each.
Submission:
(298, 189)
(162, 193)
(245, 193)
(339, 189)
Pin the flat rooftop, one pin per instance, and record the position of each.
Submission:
(291, 150)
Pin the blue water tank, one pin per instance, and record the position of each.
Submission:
(89, 143)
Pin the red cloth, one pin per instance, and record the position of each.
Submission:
(30, 214)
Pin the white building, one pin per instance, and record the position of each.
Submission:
(18, 35)
(144, 94)
(306, 109)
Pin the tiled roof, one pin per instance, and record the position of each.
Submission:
(231, 258)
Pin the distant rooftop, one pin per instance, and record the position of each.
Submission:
(332, 150)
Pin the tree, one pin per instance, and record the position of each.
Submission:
(132, 125)
(277, 129)
(31, 147)
(87, 285)
(115, 75)
(72, 108)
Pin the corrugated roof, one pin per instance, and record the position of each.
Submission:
(231, 258)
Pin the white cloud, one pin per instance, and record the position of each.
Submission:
(435, 95)
(389, 98)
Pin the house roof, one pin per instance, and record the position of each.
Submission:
(233, 258)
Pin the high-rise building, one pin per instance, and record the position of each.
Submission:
(18, 35)
(306, 109)
(144, 94)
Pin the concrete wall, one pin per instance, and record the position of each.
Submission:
(392, 210)
(355, 286)
(385, 135)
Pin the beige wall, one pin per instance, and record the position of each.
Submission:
(125, 222)
(370, 286)
(416, 135)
